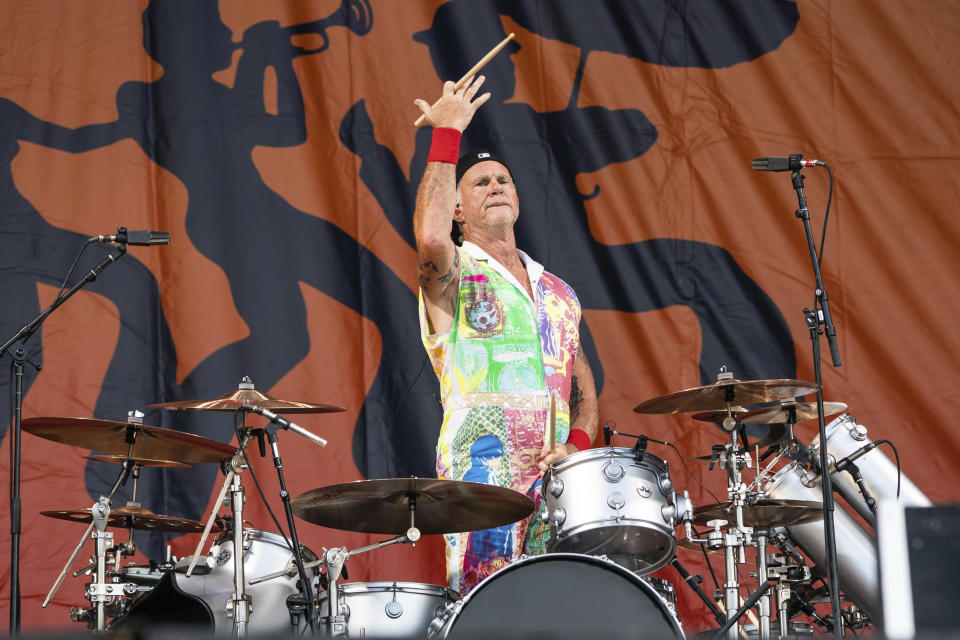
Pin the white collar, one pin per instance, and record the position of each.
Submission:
(534, 268)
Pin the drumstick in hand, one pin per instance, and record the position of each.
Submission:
(552, 422)
(469, 74)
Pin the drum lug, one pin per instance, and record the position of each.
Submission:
(669, 513)
(616, 501)
(613, 471)
(559, 517)
(555, 487)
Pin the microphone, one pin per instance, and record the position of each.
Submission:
(143, 237)
(607, 432)
(794, 162)
(843, 463)
(284, 423)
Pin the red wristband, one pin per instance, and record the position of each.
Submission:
(579, 439)
(445, 145)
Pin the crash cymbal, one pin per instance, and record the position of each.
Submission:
(780, 413)
(143, 462)
(764, 513)
(247, 394)
(383, 506)
(133, 518)
(733, 392)
(153, 443)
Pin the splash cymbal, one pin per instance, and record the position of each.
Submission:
(247, 394)
(764, 513)
(133, 518)
(781, 412)
(731, 392)
(107, 436)
(383, 506)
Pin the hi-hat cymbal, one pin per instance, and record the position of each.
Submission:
(143, 462)
(764, 513)
(781, 412)
(719, 415)
(247, 394)
(133, 518)
(719, 394)
(154, 443)
(383, 506)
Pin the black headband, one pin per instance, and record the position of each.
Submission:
(476, 156)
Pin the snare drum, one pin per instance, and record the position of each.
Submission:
(389, 609)
(606, 502)
(563, 595)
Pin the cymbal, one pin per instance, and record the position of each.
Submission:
(779, 413)
(246, 394)
(143, 462)
(719, 415)
(154, 443)
(717, 395)
(133, 518)
(383, 506)
(764, 513)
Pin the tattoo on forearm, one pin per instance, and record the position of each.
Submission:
(576, 399)
(428, 266)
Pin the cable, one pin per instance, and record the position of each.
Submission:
(73, 266)
(687, 469)
(895, 455)
(826, 215)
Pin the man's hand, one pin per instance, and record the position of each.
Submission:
(559, 452)
(454, 109)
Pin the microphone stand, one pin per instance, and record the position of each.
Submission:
(19, 356)
(271, 430)
(820, 315)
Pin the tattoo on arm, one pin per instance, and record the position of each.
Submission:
(576, 398)
(430, 265)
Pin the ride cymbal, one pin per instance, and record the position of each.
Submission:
(107, 436)
(133, 518)
(731, 392)
(247, 394)
(143, 462)
(439, 506)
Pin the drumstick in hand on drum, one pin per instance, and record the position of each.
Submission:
(469, 74)
(552, 422)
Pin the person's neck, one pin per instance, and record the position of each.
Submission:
(501, 247)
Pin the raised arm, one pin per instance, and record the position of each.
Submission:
(437, 257)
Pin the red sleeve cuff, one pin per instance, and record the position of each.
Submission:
(579, 439)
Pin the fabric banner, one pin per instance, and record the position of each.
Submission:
(275, 143)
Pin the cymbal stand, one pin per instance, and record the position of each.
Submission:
(334, 559)
(762, 534)
(239, 606)
(100, 592)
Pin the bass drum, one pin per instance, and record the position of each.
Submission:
(166, 605)
(560, 595)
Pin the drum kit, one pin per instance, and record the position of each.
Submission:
(613, 513)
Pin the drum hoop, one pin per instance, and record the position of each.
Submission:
(574, 459)
(384, 586)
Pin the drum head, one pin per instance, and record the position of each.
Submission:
(563, 596)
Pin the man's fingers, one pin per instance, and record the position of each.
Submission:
(448, 87)
(479, 101)
(422, 105)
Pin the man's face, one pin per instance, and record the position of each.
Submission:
(487, 197)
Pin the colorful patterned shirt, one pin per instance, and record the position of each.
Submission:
(497, 366)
